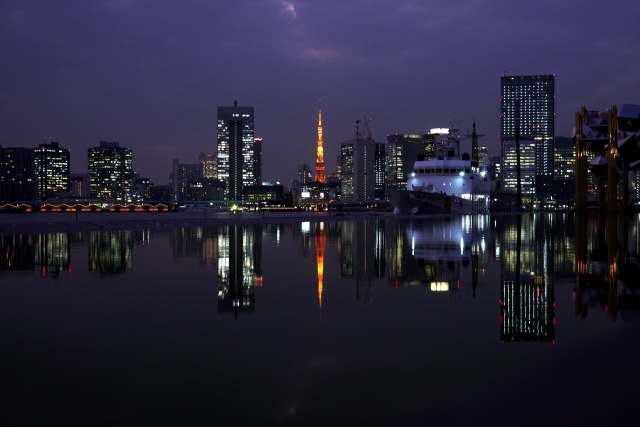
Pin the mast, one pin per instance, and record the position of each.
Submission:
(320, 177)
(474, 145)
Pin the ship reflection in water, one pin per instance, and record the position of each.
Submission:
(358, 322)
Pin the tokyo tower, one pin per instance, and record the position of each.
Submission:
(320, 155)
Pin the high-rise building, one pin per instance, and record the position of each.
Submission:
(402, 152)
(208, 165)
(182, 175)
(238, 161)
(189, 183)
(431, 141)
(509, 180)
(527, 105)
(17, 174)
(257, 160)
(110, 171)
(361, 169)
(52, 165)
(564, 180)
(379, 170)
(79, 185)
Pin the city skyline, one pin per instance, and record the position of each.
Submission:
(152, 79)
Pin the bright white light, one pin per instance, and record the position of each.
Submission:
(439, 286)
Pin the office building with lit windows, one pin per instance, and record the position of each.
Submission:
(527, 104)
(17, 174)
(564, 173)
(190, 182)
(239, 164)
(52, 166)
(110, 170)
(362, 170)
(527, 168)
(401, 153)
(208, 165)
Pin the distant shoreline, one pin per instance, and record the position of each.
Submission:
(33, 222)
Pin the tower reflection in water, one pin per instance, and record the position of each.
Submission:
(528, 254)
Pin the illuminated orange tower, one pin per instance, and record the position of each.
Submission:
(320, 155)
(320, 241)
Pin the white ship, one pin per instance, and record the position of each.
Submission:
(453, 182)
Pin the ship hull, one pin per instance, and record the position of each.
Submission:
(407, 202)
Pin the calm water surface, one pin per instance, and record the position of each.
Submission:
(512, 320)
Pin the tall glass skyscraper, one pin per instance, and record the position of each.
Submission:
(238, 159)
(527, 103)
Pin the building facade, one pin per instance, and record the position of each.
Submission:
(402, 152)
(208, 165)
(239, 154)
(527, 105)
(564, 181)
(110, 170)
(182, 175)
(17, 174)
(79, 185)
(52, 166)
(509, 168)
(361, 169)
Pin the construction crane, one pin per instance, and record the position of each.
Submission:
(368, 131)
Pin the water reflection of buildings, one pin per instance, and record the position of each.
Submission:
(18, 252)
(442, 255)
(239, 265)
(527, 292)
(607, 265)
(535, 256)
(54, 254)
(200, 241)
(111, 251)
(361, 251)
(49, 253)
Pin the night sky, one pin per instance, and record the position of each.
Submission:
(150, 74)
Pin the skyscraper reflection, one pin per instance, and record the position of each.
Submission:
(237, 249)
(111, 251)
(54, 254)
(527, 292)
(527, 256)
(361, 254)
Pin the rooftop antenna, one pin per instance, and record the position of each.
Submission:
(367, 120)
